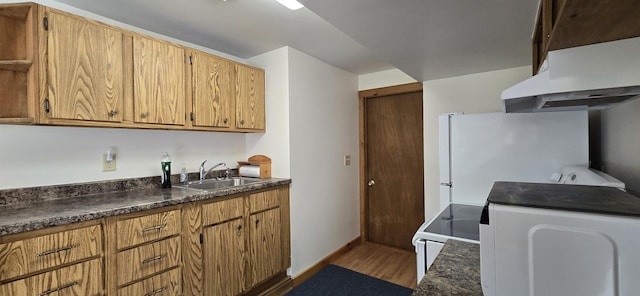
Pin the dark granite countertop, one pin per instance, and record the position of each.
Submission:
(580, 198)
(36, 212)
(456, 271)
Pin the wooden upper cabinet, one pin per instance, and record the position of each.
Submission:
(570, 23)
(250, 105)
(158, 82)
(213, 90)
(85, 69)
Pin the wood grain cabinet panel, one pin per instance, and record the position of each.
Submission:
(224, 258)
(85, 69)
(34, 254)
(158, 82)
(265, 245)
(148, 259)
(213, 90)
(250, 101)
(165, 284)
(264, 200)
(79, 279)
(220, 211)
(147, 228)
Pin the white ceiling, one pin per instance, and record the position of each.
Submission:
(426, 39)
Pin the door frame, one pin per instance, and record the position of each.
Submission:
(363, 95)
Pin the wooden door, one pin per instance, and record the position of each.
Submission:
(224, 259)
(213, 90)
(395, 168)
(85, 69)
(265, 245)
(250, 107)
(158, 82)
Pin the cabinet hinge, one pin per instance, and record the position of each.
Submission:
(46, 105)
(201, 239)
(45, 23)
(190, 60)
(191, 116)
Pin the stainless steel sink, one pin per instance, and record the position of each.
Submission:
(212, 184)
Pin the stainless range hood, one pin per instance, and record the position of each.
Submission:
(590, 77)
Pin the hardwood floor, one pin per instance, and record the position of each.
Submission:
(386, 263)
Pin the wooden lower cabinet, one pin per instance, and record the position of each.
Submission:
(144, 253)
(21, 257)
(78, 279)
(243, 244)
(164, 284)
(265, 245)
(148, 259)
(224, 258)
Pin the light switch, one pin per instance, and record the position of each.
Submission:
(347, 160)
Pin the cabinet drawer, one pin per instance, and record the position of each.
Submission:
(38, 253)
(216, 212)
(164, 284)
(263, 200)
(148, 259)
(79, 279)
(147, 228)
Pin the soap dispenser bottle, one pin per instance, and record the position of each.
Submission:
(165, 162)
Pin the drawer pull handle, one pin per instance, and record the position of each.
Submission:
(57, 250)
(154, 228)
(47, 292)
(149, 260)
(155, 292)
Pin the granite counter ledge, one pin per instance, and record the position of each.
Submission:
(34, 215)
(455, 271)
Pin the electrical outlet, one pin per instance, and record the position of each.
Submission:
(347, 160)
(108, 166)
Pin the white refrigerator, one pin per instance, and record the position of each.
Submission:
(479, 149)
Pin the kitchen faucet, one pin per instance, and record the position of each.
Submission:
(204, 173)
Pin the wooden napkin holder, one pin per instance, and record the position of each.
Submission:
(262, 161)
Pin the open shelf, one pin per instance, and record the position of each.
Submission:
(17, 73)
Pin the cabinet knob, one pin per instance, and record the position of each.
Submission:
(225, 120)
(144, 114)
(241, 121)
(113, 113)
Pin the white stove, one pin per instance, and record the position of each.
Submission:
(456, 221)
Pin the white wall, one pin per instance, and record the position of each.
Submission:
(383, 79)
(275, 142)
(620, 146)
(323, 115)
(475, 93)
(42, 155)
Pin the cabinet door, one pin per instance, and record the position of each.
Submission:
(224, 258)
(250, 108)
(212, 90)
(265, 245)
(158, 82)
(85, 69)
